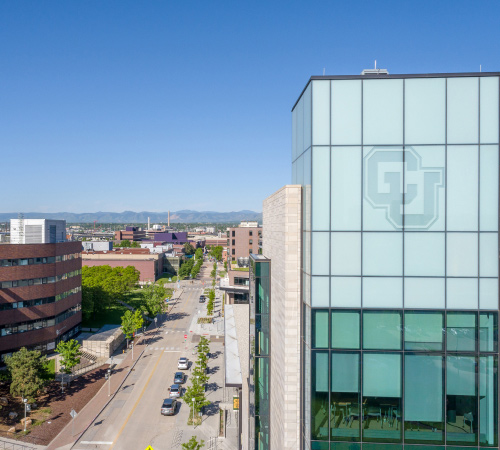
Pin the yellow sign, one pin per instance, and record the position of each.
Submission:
(149, 448)
(236, 403)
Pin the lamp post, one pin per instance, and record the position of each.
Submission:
(108, 377)
(25, 401)
(132, 346)
(194, 426)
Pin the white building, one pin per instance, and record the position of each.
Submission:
(37, 231)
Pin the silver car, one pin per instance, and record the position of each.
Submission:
(175, 391)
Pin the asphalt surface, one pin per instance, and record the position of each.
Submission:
(132, 420)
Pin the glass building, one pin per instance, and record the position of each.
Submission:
(400, 177)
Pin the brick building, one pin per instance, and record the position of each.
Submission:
(40, 295)
(243, 240)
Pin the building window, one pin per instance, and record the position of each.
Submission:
(250, 241)
(233, 234)
(250, 233)
(232, 242)
(233, 251)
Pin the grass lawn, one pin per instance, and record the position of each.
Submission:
(51, 369)
(112, 315)
(165, 278)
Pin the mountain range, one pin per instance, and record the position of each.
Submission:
(184, 216)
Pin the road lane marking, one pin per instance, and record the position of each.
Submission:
(96, 443)
(136, 403)
(172, 351)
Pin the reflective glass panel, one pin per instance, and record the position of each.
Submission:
(424, 293)
(319, 400)
(382, 292)
(488, 401)
(346, 291)
(320, 288)
(345, 329)
(382, 397)
(461, 331)
(346, 254)
(461, 254)
(345, 414)
(488, 332)
(424, 398)
(320, 329)
(488, 255)
(461, 293)
(488, 293)
(321, 188)
(461, 400)
(346, 112)
(488, 188)
(321, 112)
(382, 330)
(463, 110)
(307, 117)
(489, 109)
(382, 253)
(320, 253)
(424, 330)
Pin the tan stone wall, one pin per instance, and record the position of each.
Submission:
(282, 244)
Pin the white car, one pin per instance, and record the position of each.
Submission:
(183, 364)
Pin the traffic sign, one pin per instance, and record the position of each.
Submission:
(185, 336)
(73, 413)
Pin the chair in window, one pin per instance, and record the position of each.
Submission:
(333, 413)
(396, 417)
(375, 411)
(468, 417)
(354, 414)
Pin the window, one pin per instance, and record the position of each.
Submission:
(232, 242)
(233, 233)
(250, 233)
(233, 251)
(345, 329)
(382, 330)
(461, 332)
(250, 241)
(424, 331)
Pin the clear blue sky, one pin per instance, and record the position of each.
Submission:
(157, 105)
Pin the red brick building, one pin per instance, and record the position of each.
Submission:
(40, 295)
(243, 240)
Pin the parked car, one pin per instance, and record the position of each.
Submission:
(175, 391)
(169, 407)
(202, 299)
(183, 364)
(179, 378)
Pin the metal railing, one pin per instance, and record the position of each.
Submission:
(14, 446)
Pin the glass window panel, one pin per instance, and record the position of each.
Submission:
(346, 291)
(488, 188)
(488, 401)
(321, 112)
(382, 396)
(424, 331)
(346, 446)
(300, 126)
(461, 332)
(424, 293)
(462, 110)
(320, 289)
(321, 188)
(488, 254)
(461, 400)
(320, 253)
(382, 112)
(306, 244)
(382, 253)
(346, 188)
(462, 188)
(345, 329)
(319, 400)
(488, 332)
(345, 417)
(346, 254)
(262, 386)
(425, 111)
(294, 134)
(346, 112)
(381, 292)
(320, 329)
(424, 398)
(383, 187)
(424, 207)
(488, 293)
(489, 109)
(307, 117)
(461, 254)
(318, 445)
(461, 293)
(382, 330)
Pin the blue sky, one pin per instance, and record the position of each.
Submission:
(163, 105)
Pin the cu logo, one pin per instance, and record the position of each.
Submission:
(387, 177)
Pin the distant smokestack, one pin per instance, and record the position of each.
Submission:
(168, 220)
(149, 224)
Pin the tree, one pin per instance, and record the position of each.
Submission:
(193, 444)
(198, 254)
(70, 354)
(225, 265)
(134, 244)
(125, 243)
(196, 391)
(154, 299)
(128, 325)
(186, 268)
(26, 368)
(216, 252)
(211, 300)
(138, 320)
(188, 249)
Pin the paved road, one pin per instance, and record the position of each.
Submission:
(133, 420)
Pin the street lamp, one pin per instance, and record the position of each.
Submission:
(108, 378)
(194, 426)
(25, 400)
(132, 347)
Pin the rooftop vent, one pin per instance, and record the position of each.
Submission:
(375, 71)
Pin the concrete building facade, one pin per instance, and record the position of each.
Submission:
(37, 231)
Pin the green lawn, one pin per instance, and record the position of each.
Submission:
(112, 315)
(240, 269)
(51, 369)
(165, 278)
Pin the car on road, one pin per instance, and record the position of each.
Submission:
(183, 364)
(179, 378)
(169, 407)
(202, 299)
(175, 391)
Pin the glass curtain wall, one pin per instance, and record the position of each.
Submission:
(259, 352)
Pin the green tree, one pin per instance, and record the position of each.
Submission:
(188, 249)
(125, 243)
(211, 300)
(193, 444)
(216, 252)
(138, 320)
(225, 265)
(198, 253)
(197, 392)
(186, 268)
(134, 244)
(27, 369)
(154, 299)
(70, 354)
(128, 325)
